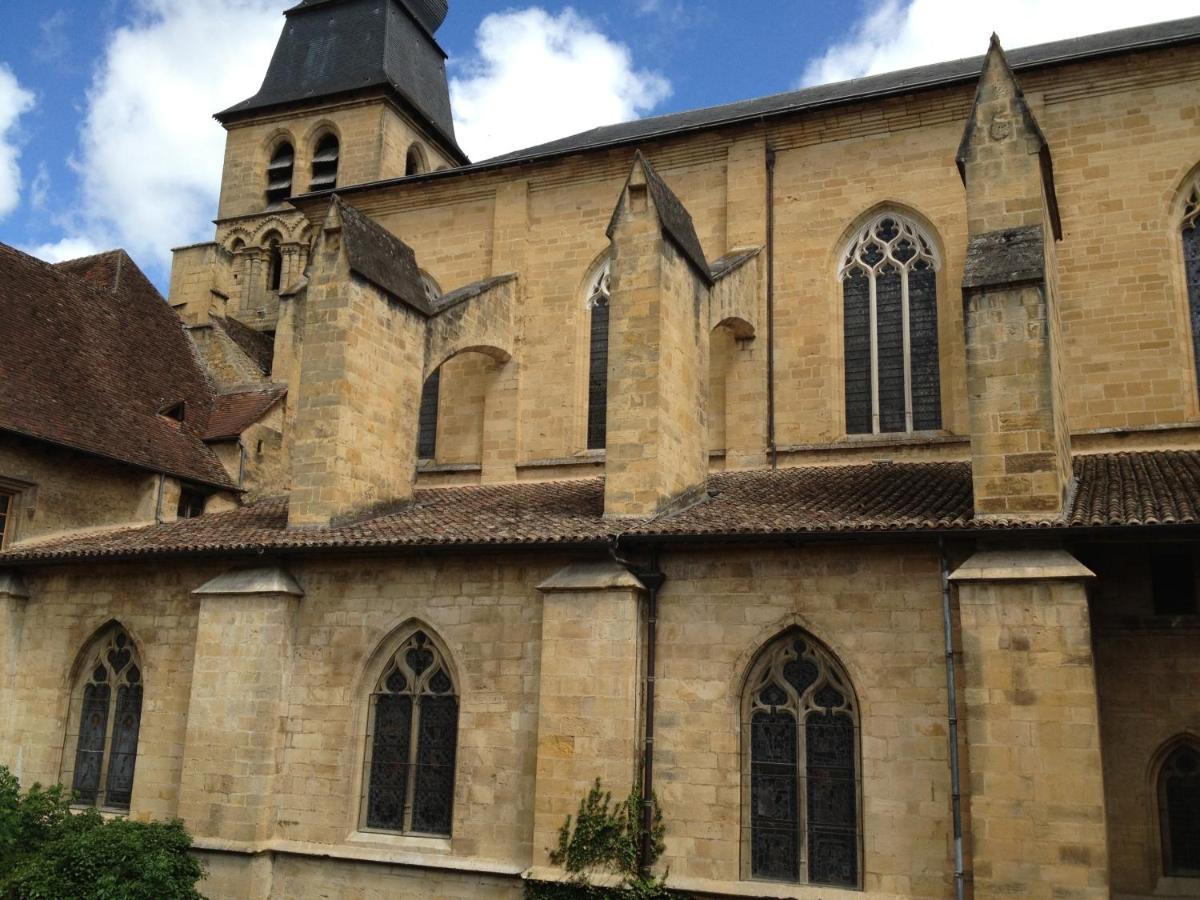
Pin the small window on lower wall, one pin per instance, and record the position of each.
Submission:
(411, 743)
(191, 503)
(7, 503)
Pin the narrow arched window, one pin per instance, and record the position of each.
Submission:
(274, 266)
(598, 308)
(1179, 812)
(801, 731)
(325, 164)
(106, 718)
(1191, 263)
(427, 426)
(414, 162)
(412, 742)
(279, 173)
(889, 295)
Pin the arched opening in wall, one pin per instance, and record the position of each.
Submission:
(453, 410)
(104, 722)
(279, 173)
(1190, 233)
(412, 740)
(325, 163)
(415, 162)
(274, 264)
(802, 771)
(1179, 810)
(890, 328)
(599, 291)
(725, 365)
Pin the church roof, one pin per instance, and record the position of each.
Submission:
(92, 356)
(336, 47)
(1119, 490)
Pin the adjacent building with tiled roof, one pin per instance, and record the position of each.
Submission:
(827, 463)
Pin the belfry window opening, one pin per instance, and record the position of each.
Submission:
(279, 174)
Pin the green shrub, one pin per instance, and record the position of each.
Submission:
(49, 852)
(605, 839)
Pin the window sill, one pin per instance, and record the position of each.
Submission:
(767, 890)
(415, 842)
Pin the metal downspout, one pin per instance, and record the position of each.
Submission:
(771, 442)
(952, 704)
(653, 580)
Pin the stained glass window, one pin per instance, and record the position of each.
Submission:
(889, 296)
(412, 744)
(597, 302)
(804, 821)
(109, 721)
(1179, 812)
(1191, 263)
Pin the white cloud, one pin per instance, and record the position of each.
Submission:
(150, 154)
(904, 33)
(15, 101)
(67, 248)
(538, 77)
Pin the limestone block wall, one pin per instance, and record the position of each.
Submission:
(59, 490)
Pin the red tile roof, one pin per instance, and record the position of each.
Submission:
(234, 413)
(91, 355)
(1127, 489)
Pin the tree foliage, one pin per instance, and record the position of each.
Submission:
(605, 839)
(48, 851)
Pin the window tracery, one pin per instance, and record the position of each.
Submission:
(802, 726)
(1191, 263)
(1179, 812)
(889, 292)
(412, 744)
(110, 714)
(599, 292)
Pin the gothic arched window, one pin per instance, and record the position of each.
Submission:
(597, 304)
(1191, 263)
(414, 161)
(801, 732)
(325, 164)
(431, 393)
(889, 295)
(106, 716)
(411, 742)
(279, 173)
(1179, 811)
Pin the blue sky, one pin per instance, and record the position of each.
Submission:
(105, 130)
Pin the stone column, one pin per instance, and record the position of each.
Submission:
(244, 645)
(13, 597)
(1036, 788)
(589, 722)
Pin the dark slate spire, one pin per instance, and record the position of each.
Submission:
(334, 47)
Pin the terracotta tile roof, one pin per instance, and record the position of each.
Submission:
(91, 355)
(1135, 489)
(234, 413)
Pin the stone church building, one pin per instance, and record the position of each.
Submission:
(831, 460)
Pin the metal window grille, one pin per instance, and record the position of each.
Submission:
(110, 715)
(598, 305)
(804, 784)
(889, 294)
(412, 743)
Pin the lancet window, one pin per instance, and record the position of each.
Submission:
(107, 717)
(889, 294)
(597, 304)
(1179, 812)
(801, 728)
(412, 741)
(1191, 263)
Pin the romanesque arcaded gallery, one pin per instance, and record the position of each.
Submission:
(845, 440)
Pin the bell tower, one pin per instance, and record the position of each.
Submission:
(356, 92)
